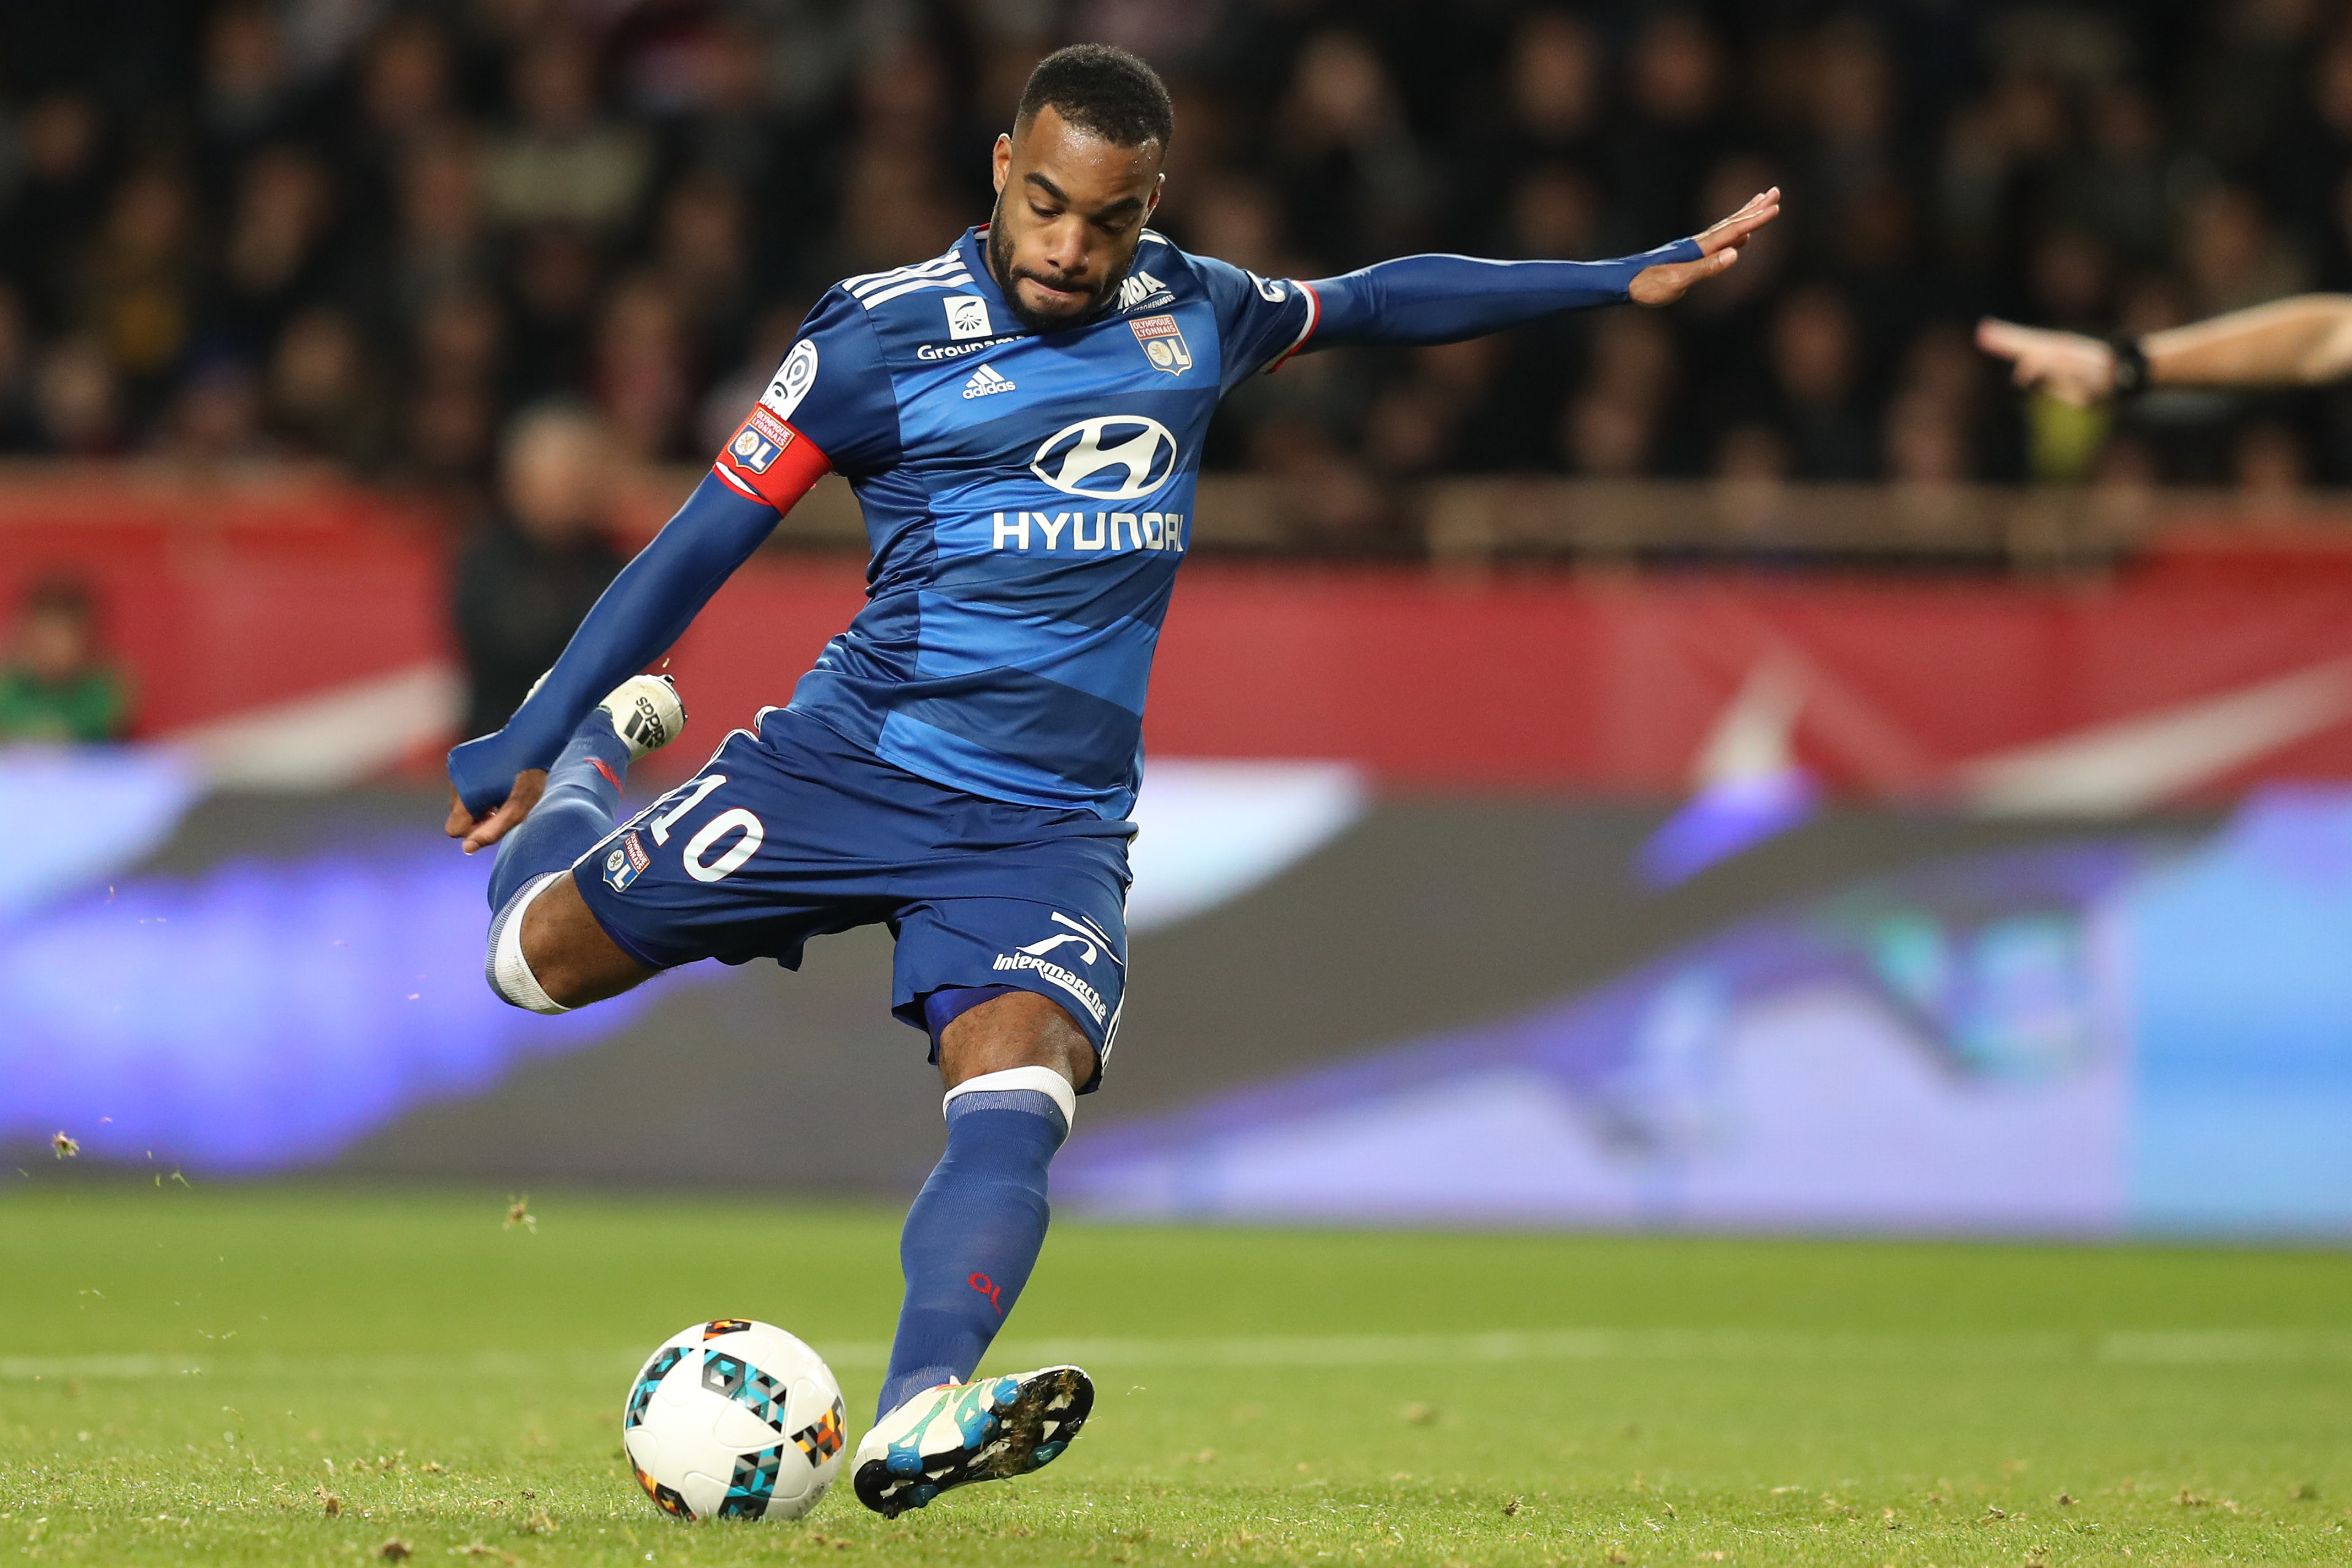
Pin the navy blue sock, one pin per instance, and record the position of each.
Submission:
(582, 803)
(973, 1235)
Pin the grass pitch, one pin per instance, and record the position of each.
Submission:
(284, 1377)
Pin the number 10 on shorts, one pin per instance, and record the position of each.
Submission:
(704, 859)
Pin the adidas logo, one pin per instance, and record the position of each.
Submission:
(1138, 286)
(644, 727)
(985, 381)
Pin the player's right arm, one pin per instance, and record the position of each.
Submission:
(497, 778)
(2302, 341)
(786, 444)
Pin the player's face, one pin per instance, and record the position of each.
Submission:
(1070, 210)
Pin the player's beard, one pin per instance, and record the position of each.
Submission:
(1008, 278)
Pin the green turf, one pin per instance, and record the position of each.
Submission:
(186, 1375)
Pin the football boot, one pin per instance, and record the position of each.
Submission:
(989, 1430)
(646, 712)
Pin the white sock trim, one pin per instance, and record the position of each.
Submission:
(510, 974)
(1043, 1080)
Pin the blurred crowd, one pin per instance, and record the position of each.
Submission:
(370, 231)
(57, 683)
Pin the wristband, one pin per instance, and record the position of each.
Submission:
(2131, 367)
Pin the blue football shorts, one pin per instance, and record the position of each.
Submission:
(792, 832)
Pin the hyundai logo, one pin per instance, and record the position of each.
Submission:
(1111, 457)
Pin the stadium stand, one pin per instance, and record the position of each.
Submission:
(365, 232)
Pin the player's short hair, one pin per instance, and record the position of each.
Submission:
(1103, 91)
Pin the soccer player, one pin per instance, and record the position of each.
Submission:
(2302, 341)
(1022, 420)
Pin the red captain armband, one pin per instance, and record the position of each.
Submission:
(768, 461)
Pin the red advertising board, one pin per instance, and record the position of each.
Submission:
(1529, 679)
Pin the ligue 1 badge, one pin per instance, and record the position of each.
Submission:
(626, 861)
(1163, 343)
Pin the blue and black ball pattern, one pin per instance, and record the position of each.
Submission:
(648, 1381)
(746, 1385)
(753, 1484)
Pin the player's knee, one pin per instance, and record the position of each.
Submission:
(549, 955)
(513, 964)
(1021, 1029)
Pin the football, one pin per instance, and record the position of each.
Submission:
(734, 1420)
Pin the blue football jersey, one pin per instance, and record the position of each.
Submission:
(1027, 497)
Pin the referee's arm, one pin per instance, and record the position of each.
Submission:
(2302, 341)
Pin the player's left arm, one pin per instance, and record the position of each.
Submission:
(1446, 298)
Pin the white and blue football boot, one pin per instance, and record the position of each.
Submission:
(646, 712)
(960, 1432)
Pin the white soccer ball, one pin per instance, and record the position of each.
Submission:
(734, 1420)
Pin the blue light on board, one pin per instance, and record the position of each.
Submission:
(264, 1014)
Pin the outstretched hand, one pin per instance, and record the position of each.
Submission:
(1719, 249)
(481, 833)
(2070, 367)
